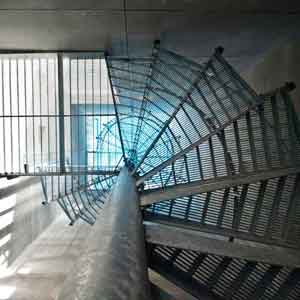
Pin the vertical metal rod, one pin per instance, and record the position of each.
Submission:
(100, 109)
(71, 123)
(56, 144)
(223, 207)
(80, 212)
(291, 134)
(44, 188)
(32, 108)
(11, 113)
(277, 129)
(239, 202)
(238, 146)
(3, 107)
(227, 155)
(275, 206)
(18, 107)
(65, 209)
(78, 117)
(262, 121)
(71, 206)
(143, 105)
(251, 140)
(48, 126)
(205, 208)
(258, 205)
(115, 107)
(292, 114)
(212, 157)
(113, 266)
(86, 209)
(199, 162)
(65, 185)
(88, 202)
(85, 119)
(292, 209)
(41, 121)
(48, 112)
(26, 124)
(61, 113)
(93, 112)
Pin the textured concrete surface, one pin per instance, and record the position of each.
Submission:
(22, 216)
(246, 29)
(278, 66)
(40, 271)
(38, 274)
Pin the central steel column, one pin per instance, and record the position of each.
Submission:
(113, 266)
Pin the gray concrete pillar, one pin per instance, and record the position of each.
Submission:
(113, 266)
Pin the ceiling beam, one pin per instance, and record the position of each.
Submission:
(151, 196)
(180, 238)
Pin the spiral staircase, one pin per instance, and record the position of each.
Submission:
(217, 170)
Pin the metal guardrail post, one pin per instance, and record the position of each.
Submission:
(61, 114)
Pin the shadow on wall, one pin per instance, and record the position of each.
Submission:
(165, 290)
(278, 66)
(22, 217)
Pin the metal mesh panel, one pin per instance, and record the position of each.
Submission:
(225, 277)
(129, 79)
(28, 113)
(49, 103)
(260, 140)
(78, 197)
(266, 211)
(197, 100)
(55, 112)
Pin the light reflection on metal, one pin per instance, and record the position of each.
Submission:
(113, 264)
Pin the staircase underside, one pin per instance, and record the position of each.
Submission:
(216, 166)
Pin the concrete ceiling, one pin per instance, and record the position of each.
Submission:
(247, 29)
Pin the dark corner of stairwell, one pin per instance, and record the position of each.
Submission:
(219, 50)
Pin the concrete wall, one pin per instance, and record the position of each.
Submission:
(22, 216)
(280, 65)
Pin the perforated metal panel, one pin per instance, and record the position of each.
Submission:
(197, 100)
(259, 140)
(224, 277)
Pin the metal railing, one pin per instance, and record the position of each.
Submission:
(48, 102)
